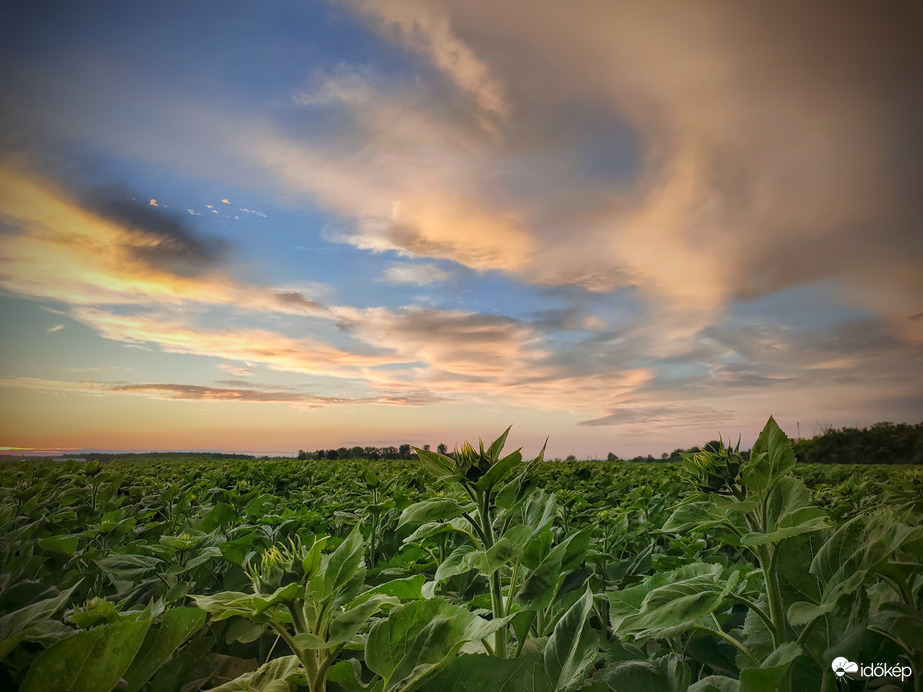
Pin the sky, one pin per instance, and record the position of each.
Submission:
(627, 227)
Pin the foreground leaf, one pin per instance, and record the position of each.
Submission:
(421, 637)
(572, 647)
(87, 661)
(479, 672)
(269, 677)
(177, 625)
(18, 625)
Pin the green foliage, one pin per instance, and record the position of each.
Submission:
(882, 443)
(476, 570)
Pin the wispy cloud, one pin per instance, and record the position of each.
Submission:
(425, 28)
(235, 370)
(416, 274)
(188, 392)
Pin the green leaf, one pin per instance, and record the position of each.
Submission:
(66, 545)
(518, 536)
(573, 646)
(284, 595)
(221, 515)
(18, 625)
(244, 631)
(499, 554)
(540, 510)
(692, 517)
(434, 528)
(500, 471)
(347, 625)
(269, 677)
(541, 585)
(770, 459)
(130, 567)
(343, 563)
(902, 622)
(237, 549)
(434, 509)
(176, 626)
(803, 613)
(715, 683)
(458, 562)
(668, 604)
(88, 661)
(636, 676)
(348, 675)
(537, 548)
(437, 464)
(405, 589)
(420, 637)
(226, 604)
(479, 672)
(497, 446)
(769, 675)
(788, 513)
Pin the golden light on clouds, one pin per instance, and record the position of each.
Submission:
(636, 216)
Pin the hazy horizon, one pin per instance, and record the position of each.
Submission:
(627, 227)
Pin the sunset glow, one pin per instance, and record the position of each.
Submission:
(625, 226)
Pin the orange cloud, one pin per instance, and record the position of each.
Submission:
(764, 162)
(67, 252)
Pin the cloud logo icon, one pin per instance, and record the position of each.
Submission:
(842, 665)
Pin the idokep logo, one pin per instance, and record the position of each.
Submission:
(841, 666)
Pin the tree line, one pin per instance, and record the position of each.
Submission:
(882, 443)
(404, 451)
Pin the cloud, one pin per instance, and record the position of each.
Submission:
(56, 328)
(235, 370)
(682, 414)
(163, 240)
(344, 85)
(425, 28)
(109, 249)
(416, 274)
(174, 334)
(768, 151)
(297, 299)
(189, 392)
(694, 158)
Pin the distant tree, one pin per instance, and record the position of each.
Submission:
(302, 455)
(442, 449)
(612, 457)
(356, 452)
(332, 454)
(426, 448)
(404, 450)
(571, 457)
(882, 443)
(665, 455)
(372, 453)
